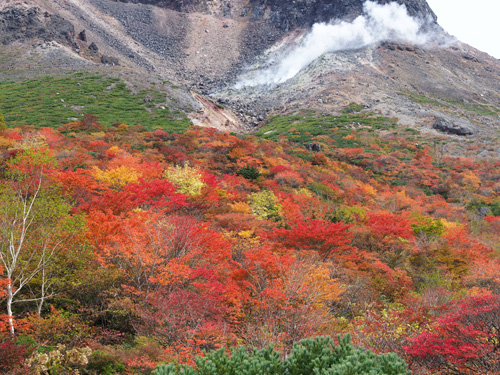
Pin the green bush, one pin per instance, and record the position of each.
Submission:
(314, 356)
(104, 364)
(427, 226)
(250, 173)
(495, 207)
(353, 108)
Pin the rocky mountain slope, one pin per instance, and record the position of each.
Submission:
(447, 91)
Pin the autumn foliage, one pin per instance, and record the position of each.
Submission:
(207, 240)
(465, 340)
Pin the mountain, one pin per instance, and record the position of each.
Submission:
(210, 46)
(354, 189)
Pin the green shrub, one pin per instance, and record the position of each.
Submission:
(104, 364)
(495, 207)
(347, 215)
(250, 173)
(314, 356)
(353, 108)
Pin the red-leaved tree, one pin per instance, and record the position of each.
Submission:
(324, 237)
(464, 341)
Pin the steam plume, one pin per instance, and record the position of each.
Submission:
(378, 23)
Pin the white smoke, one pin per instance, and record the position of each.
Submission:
(378, 23)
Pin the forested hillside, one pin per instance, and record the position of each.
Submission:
(124, 246)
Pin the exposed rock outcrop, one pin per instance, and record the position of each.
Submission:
(24, 24)
(286, 15)
(82, 35)
(93, 47)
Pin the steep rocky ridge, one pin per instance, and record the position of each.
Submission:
(286, 15)
(200, 40)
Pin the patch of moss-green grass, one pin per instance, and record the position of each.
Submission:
(353, 108)
(303, 128)
(481, 109)
(54, 101)
(422, 99)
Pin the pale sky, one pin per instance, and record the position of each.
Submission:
(476, 22)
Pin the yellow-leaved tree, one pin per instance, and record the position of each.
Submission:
(188, 179)
(116, 178)
(265, 205)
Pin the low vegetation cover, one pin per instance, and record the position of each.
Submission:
(302, 128)
(136, 250)
(451, 104)
(53, 101)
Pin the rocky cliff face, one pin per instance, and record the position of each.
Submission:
(26, 24)
(207, 42)
(286, 15)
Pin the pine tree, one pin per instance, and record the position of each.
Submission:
(319, 355)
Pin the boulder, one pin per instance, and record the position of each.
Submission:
(483, 211)
(315, 147)
(457, 127)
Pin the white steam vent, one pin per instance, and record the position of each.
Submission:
(378, 23)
